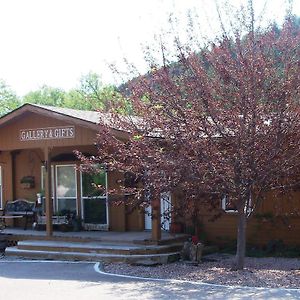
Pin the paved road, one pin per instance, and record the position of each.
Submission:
(61, 280)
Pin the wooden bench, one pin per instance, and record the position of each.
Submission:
(61, 222)
(19, 208)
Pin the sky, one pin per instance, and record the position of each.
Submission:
(55, 42)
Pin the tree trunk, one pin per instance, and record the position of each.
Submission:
(241, 242)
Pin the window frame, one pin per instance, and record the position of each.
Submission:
(235, 211)
(102, 197)
(57, 198)
(223, 203)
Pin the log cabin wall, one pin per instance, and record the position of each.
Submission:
(259, 232)
(123, 217)
(277, 218)
(6, 167)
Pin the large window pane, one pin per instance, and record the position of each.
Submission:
(95, 211)
(94, 198)
(66, 205)
(66, 190)
(66, 181)
(93, 185)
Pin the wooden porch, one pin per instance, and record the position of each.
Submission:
(109, 246)
(135, 237)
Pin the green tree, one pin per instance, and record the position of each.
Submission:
(8, 99)
(46, 95)
(90, 95)
(94, 95)
(90, 90)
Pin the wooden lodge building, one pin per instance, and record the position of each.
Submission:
(37, 146)
(37, 159)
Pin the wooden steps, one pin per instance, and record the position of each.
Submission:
(95, 251)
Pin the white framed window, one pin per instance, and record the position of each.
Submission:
(94, 201)
(66, 188)
(230, 207)
(227, 205)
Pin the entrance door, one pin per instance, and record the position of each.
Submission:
(66, 191)
(165, 210)
(148, 219)
(94, 201)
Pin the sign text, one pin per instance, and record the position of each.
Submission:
(48, 133)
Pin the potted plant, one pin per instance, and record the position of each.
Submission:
(27, 182)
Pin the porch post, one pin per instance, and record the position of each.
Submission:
(49, 208)
(156, 225)
(13, 155)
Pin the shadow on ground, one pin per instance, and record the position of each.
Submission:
(83, 276)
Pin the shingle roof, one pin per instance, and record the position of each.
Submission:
(85, 115)
(91, 116)
(88, 117)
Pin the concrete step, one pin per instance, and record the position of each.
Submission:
(97, 247)
(161, 258)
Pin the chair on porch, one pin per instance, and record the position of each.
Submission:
(20, 208)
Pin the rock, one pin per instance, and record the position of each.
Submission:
(196, 252)
(186, 250)
(200, 248)
(192, 252)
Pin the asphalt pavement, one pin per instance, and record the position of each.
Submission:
(39, 280)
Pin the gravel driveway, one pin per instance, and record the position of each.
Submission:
(259, 272)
